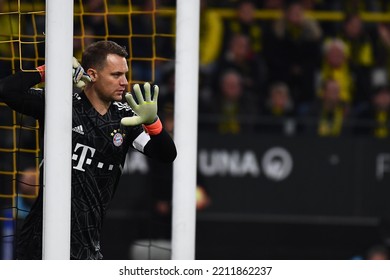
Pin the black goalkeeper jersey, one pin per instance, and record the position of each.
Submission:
(99, 147)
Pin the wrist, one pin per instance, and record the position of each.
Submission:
(154, 128)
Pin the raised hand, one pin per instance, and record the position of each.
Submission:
(146, 109)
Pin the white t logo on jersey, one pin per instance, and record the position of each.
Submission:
(83, 157)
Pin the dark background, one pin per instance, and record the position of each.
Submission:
(332, 205)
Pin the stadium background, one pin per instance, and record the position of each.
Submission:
(272, 194)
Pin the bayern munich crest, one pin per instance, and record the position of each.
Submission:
(117, 137)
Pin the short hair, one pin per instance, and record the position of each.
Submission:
(334, 42)
(95, 55)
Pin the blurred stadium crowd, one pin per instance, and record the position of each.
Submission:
(277, 67)
(294, 74)
(286, 67)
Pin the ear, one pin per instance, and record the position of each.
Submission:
(92, 73)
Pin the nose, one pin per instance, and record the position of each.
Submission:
(123, 81)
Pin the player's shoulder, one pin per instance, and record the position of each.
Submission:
(121, 106)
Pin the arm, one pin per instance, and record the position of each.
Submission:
(15, 91)
(161, 147)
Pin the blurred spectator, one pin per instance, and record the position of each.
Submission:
(384, 36)
(211, 37)
(292, 51)
(232, 106)
(278, 113)
(245, 23)
(335, 66)
(360, 54)
(329, 113)
(238, 57)
(374, 120)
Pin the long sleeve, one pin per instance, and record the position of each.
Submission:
(16, 92)
(161, 147)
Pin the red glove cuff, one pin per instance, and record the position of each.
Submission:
(41, 70)
(154, 128)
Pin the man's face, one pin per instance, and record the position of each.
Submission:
(110, 82)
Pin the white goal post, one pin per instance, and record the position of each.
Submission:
(185, 132)
(58, 130)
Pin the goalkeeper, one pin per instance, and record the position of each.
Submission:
(104, 128)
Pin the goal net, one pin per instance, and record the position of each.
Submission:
(144, 27)
(21, 38)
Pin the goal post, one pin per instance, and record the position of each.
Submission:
(58, 128)
(57, 178)
(185, 135)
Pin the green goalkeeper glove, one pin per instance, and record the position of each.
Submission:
(80, 77)
(145, 110)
